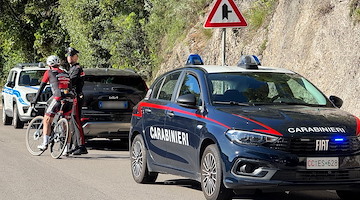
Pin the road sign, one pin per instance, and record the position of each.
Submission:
(225, 14)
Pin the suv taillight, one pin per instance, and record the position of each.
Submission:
(357, 126)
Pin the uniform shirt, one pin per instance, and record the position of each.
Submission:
(77, 76)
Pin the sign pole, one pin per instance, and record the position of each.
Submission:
(224, 46)
(225, 14)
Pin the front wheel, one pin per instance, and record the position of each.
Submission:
(347, 194)
(138, 160)
(211, 175)
(6, 120)
(59, 138)
(34, 135)
(17, 123)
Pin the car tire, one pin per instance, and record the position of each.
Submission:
(6, 119)
(17, 123)
(211, 175)
(347, 194)
(138, 158)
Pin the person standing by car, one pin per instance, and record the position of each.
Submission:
(60, 85)
(77, 81)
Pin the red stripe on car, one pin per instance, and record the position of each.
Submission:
(151, 105)
(267, 129)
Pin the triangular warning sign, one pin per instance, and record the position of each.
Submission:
(224, 14)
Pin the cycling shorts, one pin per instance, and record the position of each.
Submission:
(53, 106)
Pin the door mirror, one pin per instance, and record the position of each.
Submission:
(336, 101)
(187, 100)
(10, 84)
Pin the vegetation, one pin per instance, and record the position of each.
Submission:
(108, 33)
(258, 13)
(355, 10)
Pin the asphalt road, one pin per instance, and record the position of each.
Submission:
(103, 174)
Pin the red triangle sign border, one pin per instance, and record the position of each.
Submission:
(242, 22)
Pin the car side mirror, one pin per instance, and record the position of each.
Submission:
(336, 101)
(187, 100)
(10, 84)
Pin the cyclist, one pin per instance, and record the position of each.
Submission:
(60, 85)
(77, 81)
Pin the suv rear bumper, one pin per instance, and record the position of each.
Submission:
(111, 129)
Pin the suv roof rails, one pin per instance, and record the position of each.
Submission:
(22, 65)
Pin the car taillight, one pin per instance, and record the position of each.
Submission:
(84, 119)
(358, 126)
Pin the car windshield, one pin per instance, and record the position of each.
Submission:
(130, 81)
(264, 89)
(31, 78)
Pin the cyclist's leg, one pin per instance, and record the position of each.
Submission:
(48, 118)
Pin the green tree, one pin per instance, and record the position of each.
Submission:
(29, 32)
(107, 33)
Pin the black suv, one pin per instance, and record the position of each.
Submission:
(110, 95)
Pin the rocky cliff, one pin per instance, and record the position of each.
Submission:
(318, 39)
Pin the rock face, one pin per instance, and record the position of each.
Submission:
(317, 39)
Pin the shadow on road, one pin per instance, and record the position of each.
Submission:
(108, 145)
(298, 195)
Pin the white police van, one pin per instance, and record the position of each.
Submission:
(20, 88)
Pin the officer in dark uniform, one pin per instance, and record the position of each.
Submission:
(77, 81)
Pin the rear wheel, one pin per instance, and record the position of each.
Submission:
(34, 135)
(211, 175)
(59, 138)
(347, 194)
(6, 120)
(16, 120)
(138, 160)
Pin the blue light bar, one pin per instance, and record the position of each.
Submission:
(339, 139)
(194, 59)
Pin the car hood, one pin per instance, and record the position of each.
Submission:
(293, 120)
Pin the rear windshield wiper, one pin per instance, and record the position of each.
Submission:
(231, 103)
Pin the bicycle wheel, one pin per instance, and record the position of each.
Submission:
(59, 138)
(34, 136)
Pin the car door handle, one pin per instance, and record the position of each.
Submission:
(147, 110)
(170, 114)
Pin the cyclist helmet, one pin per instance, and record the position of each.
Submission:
(53, 61)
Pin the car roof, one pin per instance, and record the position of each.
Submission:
(30, 69)
(108, 72)
(224, 69)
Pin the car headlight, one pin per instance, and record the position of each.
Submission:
(247, 137)
(30, 96)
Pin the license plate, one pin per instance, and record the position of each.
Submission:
(322, 163)
(113, 104)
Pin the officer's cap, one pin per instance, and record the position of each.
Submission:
(71, 51)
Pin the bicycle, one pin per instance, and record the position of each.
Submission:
(59, 131)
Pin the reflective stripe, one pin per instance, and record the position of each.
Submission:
(16, 93)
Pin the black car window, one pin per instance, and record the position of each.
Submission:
(12, 78)
(131, 81)
(156, 88)
(31, 77)
(264, 88)
(191, 86)
(167, 87)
